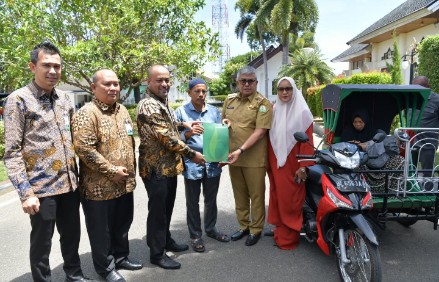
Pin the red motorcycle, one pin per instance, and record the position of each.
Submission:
(337, 197)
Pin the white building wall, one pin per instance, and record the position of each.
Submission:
(405, 44)
(274, 66)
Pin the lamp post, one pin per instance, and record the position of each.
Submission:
(409, 60)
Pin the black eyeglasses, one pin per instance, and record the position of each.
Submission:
(245, 81)
(282, 89)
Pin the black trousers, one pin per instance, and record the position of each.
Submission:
(108, 223)
(62, 211)
(161, 197)
(426, 158)
(210, 191)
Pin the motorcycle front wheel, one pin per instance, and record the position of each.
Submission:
(364, 262)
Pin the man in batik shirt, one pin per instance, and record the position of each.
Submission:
(103, 139)
(160, 161)
(40, 162)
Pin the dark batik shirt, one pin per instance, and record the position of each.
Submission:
(39, 155)
(160, 147)
(103, 140)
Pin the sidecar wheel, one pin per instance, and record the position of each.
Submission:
(364, 259)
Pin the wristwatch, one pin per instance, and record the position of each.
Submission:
(302, 169)
(241, 150)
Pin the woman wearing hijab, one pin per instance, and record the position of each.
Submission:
(287, 176)
(359, 131)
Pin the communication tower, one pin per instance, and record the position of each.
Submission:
(220, 24)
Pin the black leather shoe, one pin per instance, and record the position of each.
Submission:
(114, 276)
(239, 234)
(166, 263)
(252, 239)
(129, 264)
(174, 247)
(76, 278)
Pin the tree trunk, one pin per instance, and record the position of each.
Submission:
(137, 94)
(264, 56)
(285, 46)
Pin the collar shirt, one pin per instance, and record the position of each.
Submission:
(247, 114)
(103, 139)
(160, 147)
(210, 114)
(39, 155)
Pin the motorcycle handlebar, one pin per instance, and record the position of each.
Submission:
(305, 156)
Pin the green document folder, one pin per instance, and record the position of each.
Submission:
(215, 142)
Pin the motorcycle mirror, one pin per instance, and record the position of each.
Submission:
(301, 137)
(379, 137)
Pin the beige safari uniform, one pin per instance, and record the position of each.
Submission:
(248, 173)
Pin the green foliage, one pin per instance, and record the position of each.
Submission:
(307, 69)
(226, 83)
(3, 173)
(221, 98)
(340, 80)
(2, 139)
(285, 17)
(395, 68)
(127, 36)
(175, 105)
(365, 78)
(314, 100)
(132, 110)
(428, 60)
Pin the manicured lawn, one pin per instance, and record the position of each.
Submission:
(3, 175)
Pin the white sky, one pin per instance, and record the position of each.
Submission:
(339, 21)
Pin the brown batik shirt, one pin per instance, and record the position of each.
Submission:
(160, 147)
(39, 155)
(103, 140)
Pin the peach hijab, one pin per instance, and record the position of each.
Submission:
(288, 118)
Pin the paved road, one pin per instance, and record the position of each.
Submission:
(407, 254)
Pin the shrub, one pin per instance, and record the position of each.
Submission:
(365, 78)
(2, 139)
(314, 100)
(428, 60)
(175, 105)
(221, 98)
(133, 112)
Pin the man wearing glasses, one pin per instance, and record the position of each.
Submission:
(249, 115)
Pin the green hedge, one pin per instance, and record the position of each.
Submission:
(314, 100)
(365, 78)
(2, 139)
(428, 60)
(314, 97)
(221, 98)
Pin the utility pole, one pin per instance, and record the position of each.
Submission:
(220, 24)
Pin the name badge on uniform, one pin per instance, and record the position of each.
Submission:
(67, 122)
(230, 107)
(262, 109)
(129, 129)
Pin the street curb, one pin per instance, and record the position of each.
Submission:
(5, 187)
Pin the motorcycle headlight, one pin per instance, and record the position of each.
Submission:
(348, 162)
(339, 203)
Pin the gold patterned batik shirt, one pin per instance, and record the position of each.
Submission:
(103, 139)
(160, 147)
(39, 155)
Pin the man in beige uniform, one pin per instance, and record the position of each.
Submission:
(249, 115)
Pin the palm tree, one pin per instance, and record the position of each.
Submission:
(307, 69)
(248, 12)
(288, 16)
